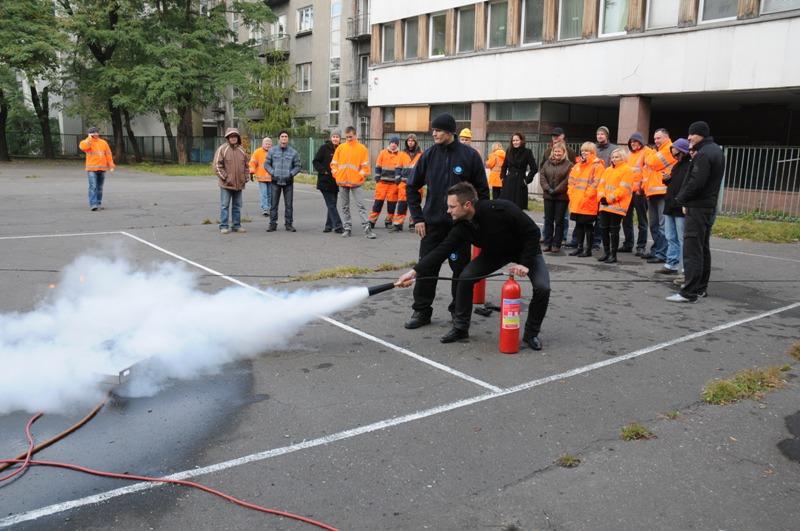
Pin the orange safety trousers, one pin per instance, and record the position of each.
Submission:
(384, 191)
(402, 203)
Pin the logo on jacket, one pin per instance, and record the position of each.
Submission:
(458, 170)
(453, 257)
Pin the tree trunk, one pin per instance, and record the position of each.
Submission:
(184, 134)
(42, 108)
(173, 150)
(118, 148)
(4, 156)
(137, 153)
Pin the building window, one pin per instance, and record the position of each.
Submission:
(462, 112)
(514, 111)
(304, 77)
(613, 16)
(387, 42)
(279, 26)
(662, 13)
(363, 68)
(411, 38)
(570, 19)
(388, 115)
(235, 26)
(497, 25)
(305, 19)
(713, 10)
(436, 35)
(775, 6)
(532, 21)
(466, 29)
(256, 33)
(335, 64)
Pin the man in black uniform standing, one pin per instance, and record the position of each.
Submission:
(444, 164)
(505, 234)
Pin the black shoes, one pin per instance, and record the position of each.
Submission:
(576, 252)
(289, 228)
(585, 254)
(272, 228)
(624, 249)
(655, 260)
(340, 230)
(611, 259)
(418, 319)
(534, 342)
(606, 256)
(327, 229)
(455, 334)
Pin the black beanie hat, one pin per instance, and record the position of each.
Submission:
(700, 128)
(444, 122)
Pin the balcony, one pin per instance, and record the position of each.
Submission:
(356, 91)
(274, 3)
(274, 47)
(358, 28)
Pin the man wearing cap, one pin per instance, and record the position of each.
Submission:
(698, 196)
(98, 162)
(465, 137)
(388, 169)
(444, 164)
(231, 165)
(604, 146)
(638, 151)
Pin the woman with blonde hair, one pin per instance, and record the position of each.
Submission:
(554, 177)
(494, 163)
(582, 190)
(614, 192)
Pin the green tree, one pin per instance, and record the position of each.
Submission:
(268, 92)
(9, 96)
(30, 42)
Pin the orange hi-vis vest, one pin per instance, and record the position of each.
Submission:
(256, 166)
(657, 165)
(350, 164)
(388, 165)
(408, 164)
(616, 185)
(98, 154)
(495, 164)
(584, 178)
(636, 162)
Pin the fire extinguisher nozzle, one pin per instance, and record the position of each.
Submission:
(380, 288)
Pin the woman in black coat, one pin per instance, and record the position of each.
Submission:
(517, 172)
(326, 184)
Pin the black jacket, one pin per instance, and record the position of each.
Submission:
(439, 168)
(517, 173)
(701, 188)
(322, 165)
(676, 180)
(500, 228)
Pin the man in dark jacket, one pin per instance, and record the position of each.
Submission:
(326, 184)
(698, 196)
(444, 164)
(505, 234)
(283, 163)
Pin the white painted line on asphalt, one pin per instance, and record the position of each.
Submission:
(59, 235)
(375, 426)
(334, 322)
(757, 255)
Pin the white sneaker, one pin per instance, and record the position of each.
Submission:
(369, 234)
(224, 231)
(679, 298)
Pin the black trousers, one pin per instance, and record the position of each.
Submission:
(486, 264)
(583, 229)
(609, 226)
(425, 290)
(496, 192)
(554, 211)
(639, 204)
(697, 251)
(288, 211)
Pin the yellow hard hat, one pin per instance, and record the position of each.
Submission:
(465, 133)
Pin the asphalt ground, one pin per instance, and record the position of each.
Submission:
(362, 424)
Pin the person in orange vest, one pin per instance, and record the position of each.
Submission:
(657, 167)
(260, 175)
(614, 194)
(494, 163)
(350, 167)
(98, 161)
(584, 179)
(638, 150)
(408, 160)
(387, 176)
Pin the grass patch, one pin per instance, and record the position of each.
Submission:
(535, 206)
(207, 221)
(635, 432)
(307, 178)
(568, 461)
(756, 230)
(349, 272)
(794, 351)
(192, 169)
(393, 267)
(749, 383)
(32, 177)
(672, 415)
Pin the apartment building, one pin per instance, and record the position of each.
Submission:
(530, 65)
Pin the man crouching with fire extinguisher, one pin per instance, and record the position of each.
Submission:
(505, 235)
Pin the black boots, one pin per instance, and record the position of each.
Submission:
(455, 334)
(418, 319)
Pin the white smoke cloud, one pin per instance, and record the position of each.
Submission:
(105, 315)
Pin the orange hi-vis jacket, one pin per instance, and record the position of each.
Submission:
(256, 166)
(98, 154)
(350, 164)
(657, 165)
(388, 166)
(408, 164)
(584, 178)
(495, 163)
(636, 162)
(616, 186)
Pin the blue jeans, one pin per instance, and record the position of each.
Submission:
(288, 195)
(655, 213)
(226, 197)
(265, 193)
(96, 180)
(673, 226)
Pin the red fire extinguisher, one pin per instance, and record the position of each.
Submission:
(479, 288)
(510, 316)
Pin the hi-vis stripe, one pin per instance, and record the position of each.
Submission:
(663, 159)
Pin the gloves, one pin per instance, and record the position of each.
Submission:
(551, 191)
(603, 201)
(377, 177)
(397, 179)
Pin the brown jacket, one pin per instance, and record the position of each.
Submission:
(555, 175)
(230, 164)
